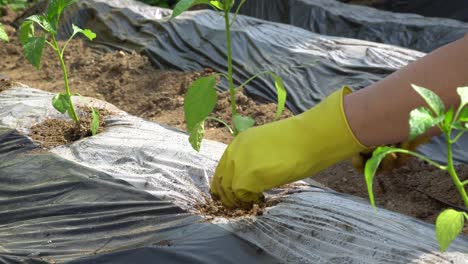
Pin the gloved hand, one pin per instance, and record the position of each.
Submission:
(282, 152)
(392, 160)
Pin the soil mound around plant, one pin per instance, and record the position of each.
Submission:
(57, 132)
(212, 209)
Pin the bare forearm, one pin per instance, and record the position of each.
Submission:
(378, 114)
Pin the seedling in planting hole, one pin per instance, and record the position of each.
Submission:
(3, 34)
(33, 48)
(201, 96)
(450, 222)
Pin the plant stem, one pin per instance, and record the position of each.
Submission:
(71, 110)
(221, 122)
(232, 91)
(252, 78)
(453, 173)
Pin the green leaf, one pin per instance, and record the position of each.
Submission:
(196, 135)
(55, 9)
(26, 31)
(217, 4)
(463, 93)
(449, 224)
(87, 32)
(3, 34)
(464, 115)
(94, 121)
(200, 101)
(281, 92)
(184, 5)
(432, 99)
(33, 49)
(242, 123)
(43, 22)
(61, 102)
(421, 121)
(371, 168)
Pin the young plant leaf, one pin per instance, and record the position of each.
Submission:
(26, 31)
(43, 22)
(3, 34)
(184, 5)
(371, 168)
(432, 99)
(217, 4)
(421, 121)
(196, 135)
(281, 95)
(463, 93)
(200, 101)
(448, 118)
(61, 102)
(464, 115)
(94, 121)
(55, 9)
(242, 123)
(33, 49)
(86, 32)
(449, 224)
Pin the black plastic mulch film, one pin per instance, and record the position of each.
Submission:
(125, 195)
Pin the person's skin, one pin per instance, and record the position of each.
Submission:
(378, 114)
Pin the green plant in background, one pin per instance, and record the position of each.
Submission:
(3, 34)
(201, 96)
(16, 5)
(450, 222)
(33, 48)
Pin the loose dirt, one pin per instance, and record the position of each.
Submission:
(128, 81)
(416, 189)
(57, 132)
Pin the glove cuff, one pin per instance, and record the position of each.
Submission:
(345, 90)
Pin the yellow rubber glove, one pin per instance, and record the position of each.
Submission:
(282, 152)
(391, 161)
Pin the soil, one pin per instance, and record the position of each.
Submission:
(57, 132)
(212, 209)
(128, 81)
(416, 189)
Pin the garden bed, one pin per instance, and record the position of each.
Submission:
(128, 81)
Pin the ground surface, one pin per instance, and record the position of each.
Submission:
(133, 85)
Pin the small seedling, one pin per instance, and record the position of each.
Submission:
(450, 222)
(201, 96)
(3, 34)
(33, 47)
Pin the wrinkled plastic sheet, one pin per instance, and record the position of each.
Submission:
(334, 18)
(126, 194)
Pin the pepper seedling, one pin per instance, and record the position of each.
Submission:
(33, 48)
(450, 222)
(201, 96)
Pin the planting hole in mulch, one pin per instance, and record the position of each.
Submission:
(213, 209)
(56, 132)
